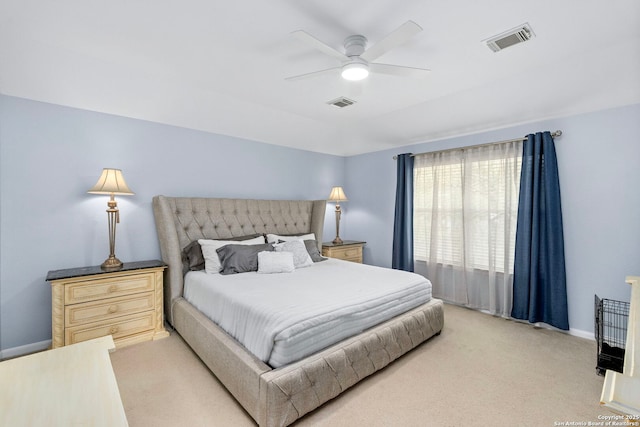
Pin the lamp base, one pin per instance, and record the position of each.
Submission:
(337, 241)
(111, 263)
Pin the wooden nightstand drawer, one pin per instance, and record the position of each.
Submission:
(94, 311)
(121, 328)
(97, 289)
(351, 253)
(349, 250)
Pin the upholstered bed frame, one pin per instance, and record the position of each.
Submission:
(273, 397)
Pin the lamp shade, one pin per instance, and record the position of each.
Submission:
(337, 195)
(111, 182)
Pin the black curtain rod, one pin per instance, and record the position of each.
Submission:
(554, 135)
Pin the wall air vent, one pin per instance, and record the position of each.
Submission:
(341, 102)
(513, 36)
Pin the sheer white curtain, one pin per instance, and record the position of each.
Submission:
(465, 212)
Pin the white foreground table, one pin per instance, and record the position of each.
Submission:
(69, 386)
(621, 392)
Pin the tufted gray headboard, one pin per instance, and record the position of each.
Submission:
(181, 220)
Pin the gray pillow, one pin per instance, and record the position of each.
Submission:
(192, 258)
(240, 258)
(314, 253)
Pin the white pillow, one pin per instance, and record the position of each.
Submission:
(273, 238)
(211, 260)
(275, 262)
(301, 257)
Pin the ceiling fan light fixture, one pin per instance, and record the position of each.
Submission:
(355, 71)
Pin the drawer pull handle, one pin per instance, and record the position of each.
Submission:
(113, 330)
(113, 288)
(113, 309)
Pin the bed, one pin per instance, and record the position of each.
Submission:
(273, 396)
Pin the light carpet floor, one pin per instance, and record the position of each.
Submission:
(481, 371)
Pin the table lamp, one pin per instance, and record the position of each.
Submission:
(111, 182)
(337, 195)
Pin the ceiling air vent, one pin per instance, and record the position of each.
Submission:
(341, 102)
(513, 36)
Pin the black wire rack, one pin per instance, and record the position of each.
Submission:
(611, 318)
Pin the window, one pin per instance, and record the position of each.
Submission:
(466, 206)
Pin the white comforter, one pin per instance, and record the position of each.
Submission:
(284, 317)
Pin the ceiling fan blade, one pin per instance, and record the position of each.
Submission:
(398, 70)
(312, 74)
(399, 36)
(321, 46)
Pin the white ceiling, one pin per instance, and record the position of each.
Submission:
(219, 66)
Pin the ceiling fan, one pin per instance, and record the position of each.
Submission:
(357, 59)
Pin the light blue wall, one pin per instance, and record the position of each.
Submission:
(51, 155)
(599, 167)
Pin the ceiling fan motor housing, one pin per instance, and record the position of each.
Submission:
(355, 45)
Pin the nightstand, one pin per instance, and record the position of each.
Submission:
(349, 250)
(89, 302)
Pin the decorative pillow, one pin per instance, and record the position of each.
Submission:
(312, 249)
(301, 257)
(209, 247)
(240, 258)
(273, 238)
(192, 258)
(275, 262)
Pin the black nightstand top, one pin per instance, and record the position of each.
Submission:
(96, 269)
(344, 243)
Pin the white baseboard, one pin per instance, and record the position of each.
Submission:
(35, 347)
(582, 334)
(575, 332)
